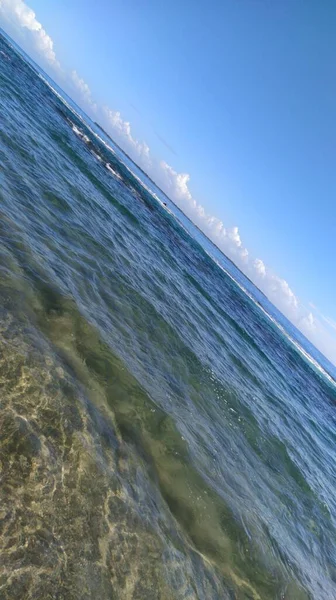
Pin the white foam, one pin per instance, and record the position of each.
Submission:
(114, 173)
(80, 134)
(97, 156)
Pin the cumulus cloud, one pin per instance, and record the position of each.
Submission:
(122, 130)
(280, 291)
(244, 254)
(175, 184)
(83, 89)
(259, 267)
(308, 322)
(235, 236)
(21, 21)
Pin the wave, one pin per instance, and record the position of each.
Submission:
(111, 170)
(80, 134)
(304, 353)
(308, 358)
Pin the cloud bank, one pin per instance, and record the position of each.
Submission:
(20, 21)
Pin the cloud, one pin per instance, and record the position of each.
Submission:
(259, 267)
(83, 89)
(21, 20)
(235, 236)
(308, 322)
(280, 291)
(122, 130)
(175, 184)
(327, 321)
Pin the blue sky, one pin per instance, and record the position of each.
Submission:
(240, 95)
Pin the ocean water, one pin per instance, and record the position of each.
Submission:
(164, 432)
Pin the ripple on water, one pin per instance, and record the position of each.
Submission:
(150, 411)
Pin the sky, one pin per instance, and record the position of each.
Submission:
(230, 107)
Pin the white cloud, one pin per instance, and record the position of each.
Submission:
(122, 129)
(244, 255)
(281, 292)
(82, 87)
(234, 235)
(320, 334)
(330, 323)
(175, 184)
(308, 322)
(259, 267)
(19, 19)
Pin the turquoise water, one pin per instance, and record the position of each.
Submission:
(165, 433)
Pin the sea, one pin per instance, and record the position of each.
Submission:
(165, 433)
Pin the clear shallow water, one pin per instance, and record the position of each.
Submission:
(161, 437)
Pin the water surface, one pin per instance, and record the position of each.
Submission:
(165, 433)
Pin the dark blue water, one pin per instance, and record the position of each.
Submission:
(165, 433)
